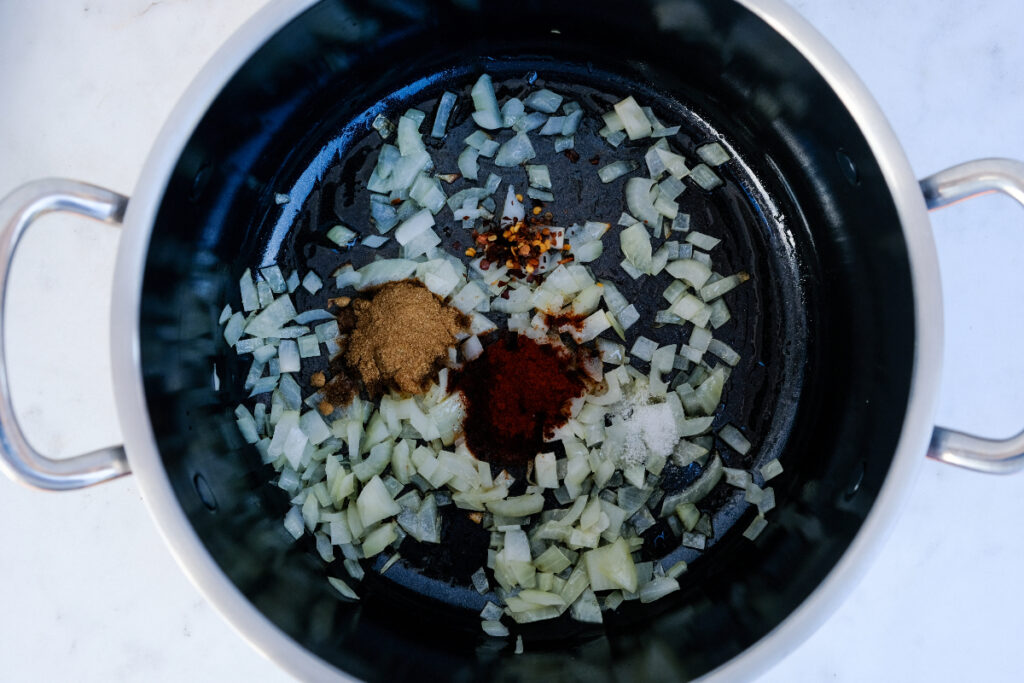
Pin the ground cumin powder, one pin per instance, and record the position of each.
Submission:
(401, 337)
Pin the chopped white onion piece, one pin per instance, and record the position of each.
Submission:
(593, 325)
(539, 195)
(468, 298)
(719, 314)
(724, 351)
(702, 241)
(771, 469)
(681, 223)
(674, 163)
(615, 139)
(494, 629)
(655, 166)
(633, 119)
(658, 588)
(274, 278)
(233, 330)
(313, 315)
(705, 177)
(250, 299)
(713, 154)
(611, 567)
(385, 270)
(375, 503)
(312, 282)
(720, 287)
(467, 162)
(689, 271)
(487, 114)
(666, 207)
(472, 348)
(615, 170)
(639, 202)
(588, 252)
(643, 348)
(515, 151)
(410, 142)
(635, 242)
(544, 100)
(476, 139)
(512, 111)
(612, 121)
(563, 143)
(553, 126)
(755, 528)
(427, 192)
(514, 210)
(444, 110)
(375, 241)
(288, 354)
(572, 123)
(342, 236)
(294, 524)
(539, 176)
(268, 321)
(414, 226)
(383, 126)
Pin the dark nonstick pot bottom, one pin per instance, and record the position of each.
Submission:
(762, 392)
(824, 326)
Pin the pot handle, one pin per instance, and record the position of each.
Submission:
(964, 181)
(18, 459)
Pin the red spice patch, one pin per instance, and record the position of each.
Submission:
(516, 392)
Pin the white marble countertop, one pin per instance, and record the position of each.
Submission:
(88, 592)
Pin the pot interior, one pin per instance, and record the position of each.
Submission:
(826, 329)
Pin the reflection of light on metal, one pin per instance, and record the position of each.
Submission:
(821, 190)
(679, 15)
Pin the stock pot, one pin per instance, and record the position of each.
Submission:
(827, 155)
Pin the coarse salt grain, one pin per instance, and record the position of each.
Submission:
(650, 429)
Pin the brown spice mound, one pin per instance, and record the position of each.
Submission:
(401, 337)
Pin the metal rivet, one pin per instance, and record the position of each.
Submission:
(847, 167)
(858, 479)
(204, 492)
(200, 181)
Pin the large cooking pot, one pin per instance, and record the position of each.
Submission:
(851, 223)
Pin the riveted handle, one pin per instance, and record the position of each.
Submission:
(18, 459)
(965, 181)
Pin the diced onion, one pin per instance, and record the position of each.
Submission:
(638, 199)
(515, 151)
(713, 154)
(615, 170)
(635, 242)
(467, 162)
(543, 100)
(633, 119)
(444, 110)
(487, 114)
(705, 177)
(414, 227)
(539, 176)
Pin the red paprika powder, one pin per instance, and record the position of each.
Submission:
(516, 392)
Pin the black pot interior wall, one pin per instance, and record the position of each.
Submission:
(831, 314)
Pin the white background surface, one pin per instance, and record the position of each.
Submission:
(88, 592)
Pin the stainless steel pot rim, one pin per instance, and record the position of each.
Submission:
(189, 550)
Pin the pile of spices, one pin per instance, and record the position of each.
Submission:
(398, 338)
(516, 393)
(521, 245)
(650, 429)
